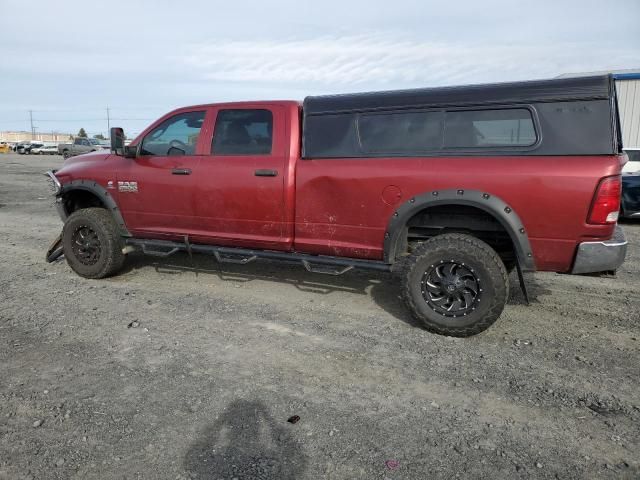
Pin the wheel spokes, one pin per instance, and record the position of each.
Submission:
(86, 245)
(451, 288)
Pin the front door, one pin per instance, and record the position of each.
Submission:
(156, 191)
(240, 181)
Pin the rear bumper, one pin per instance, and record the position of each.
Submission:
(601, 256)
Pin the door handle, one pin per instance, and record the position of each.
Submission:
(181, 171)
(266, 173)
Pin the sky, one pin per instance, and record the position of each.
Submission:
(68, 61)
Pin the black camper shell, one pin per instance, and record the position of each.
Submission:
(568, 116)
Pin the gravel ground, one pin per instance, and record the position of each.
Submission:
(174, 371)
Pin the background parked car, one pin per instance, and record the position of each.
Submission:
(46, 148)
(36, 150)
(81, 145)
(633, 165)
(19, 147)
(630, 204)
(25, 148)
(49, 150)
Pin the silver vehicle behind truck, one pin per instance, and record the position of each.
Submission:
(79, 146)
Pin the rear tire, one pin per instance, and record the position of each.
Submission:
(66, 154)
(92, 243)
(455, 285)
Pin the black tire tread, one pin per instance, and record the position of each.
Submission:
(464, 242)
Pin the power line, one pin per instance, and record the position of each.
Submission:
(89, 119)
(130, 108)
(77, 120)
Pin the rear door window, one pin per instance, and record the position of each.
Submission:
(243, 132)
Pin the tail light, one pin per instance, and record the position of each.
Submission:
(606, 202)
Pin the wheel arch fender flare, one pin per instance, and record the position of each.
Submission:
(101, 193)
(487, 202)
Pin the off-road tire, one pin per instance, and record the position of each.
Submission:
(475, 256)
(109, 257)
(66, 154)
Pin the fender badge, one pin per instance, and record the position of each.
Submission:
(110, 184)
(131, 187)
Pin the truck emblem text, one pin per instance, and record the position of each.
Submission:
(128, 187)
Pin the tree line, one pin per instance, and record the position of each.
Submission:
(83, 134)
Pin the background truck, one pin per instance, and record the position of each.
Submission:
(449, 188)
(79, 146)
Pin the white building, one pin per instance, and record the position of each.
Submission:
(628, 88)
(15, 136)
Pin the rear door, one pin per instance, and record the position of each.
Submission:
(240, 181)
(156, 191)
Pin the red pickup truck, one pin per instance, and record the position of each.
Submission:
(451, 188)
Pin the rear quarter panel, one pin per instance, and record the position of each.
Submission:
(341, 210)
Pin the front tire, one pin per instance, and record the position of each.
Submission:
(455, 285)
(92, 243)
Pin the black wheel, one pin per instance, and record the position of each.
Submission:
(66, 154)
(455, 284)
(92, 244)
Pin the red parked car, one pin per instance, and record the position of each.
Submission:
(449, 187)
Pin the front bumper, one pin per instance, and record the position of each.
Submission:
(56, 189)
(601, 256)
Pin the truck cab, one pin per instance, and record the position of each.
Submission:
(217, 173)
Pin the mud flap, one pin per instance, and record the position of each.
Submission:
(55, 249)
(523, 285)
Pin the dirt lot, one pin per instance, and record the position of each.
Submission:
(167, 371)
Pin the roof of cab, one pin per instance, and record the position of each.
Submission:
(246, 103)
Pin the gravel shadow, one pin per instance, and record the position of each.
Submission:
(383, 288)
(246, 443)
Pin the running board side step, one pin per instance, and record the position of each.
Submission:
(242, 256)
(325, 269)
(158, 251)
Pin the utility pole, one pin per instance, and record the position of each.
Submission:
(33, 131)
(108, 123)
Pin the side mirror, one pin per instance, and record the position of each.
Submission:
(130, 151)
(117, 140)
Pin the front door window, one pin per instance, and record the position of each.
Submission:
(176, 136)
